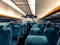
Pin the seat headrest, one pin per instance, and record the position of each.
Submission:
(1, 26)
(49, 29)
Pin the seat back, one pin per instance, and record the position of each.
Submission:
(6, 36)
(51, 35)
(36, 40)
(15, 32)
(1, 26)
(58, 42)
(23, 30)
(35, 26)
(58, 33)
(35, 31)
(39, 25)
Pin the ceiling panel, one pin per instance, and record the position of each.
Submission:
(23, 5)
(45, 6)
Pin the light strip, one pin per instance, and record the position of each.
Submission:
(32, 5)
(9, 14)
(9, 2)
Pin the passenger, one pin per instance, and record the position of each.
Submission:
(48, 24)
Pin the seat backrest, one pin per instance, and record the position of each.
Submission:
(36, 40)
(6, 36)
(1, 26)
(49, 30)
(15, 32)
(35, 26)
(58, 42)
(58, 33)
(23, 30)
(35, 31)
(43, 26)
(39, 25)
(51, 35)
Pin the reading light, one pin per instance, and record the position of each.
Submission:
(9, 2)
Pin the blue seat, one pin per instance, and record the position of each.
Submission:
(23, 30)
(43, 26)
(35, 31)
(39, 25)
(36, 40)
(5, 36)
(35, 26)
(58, 42)
(49, 30)
(15, 32)
(53, 26)
(58, 33)
(1, 26)
(51, 35)
(10, 25)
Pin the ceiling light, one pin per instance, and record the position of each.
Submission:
(9, 2)
(32, 6)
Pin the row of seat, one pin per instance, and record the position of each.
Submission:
(51, 33)
(11, 33)
(36, 31)
(17, 31)
(5, 35)
(39, 40)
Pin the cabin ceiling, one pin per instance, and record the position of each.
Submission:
(44, 7)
